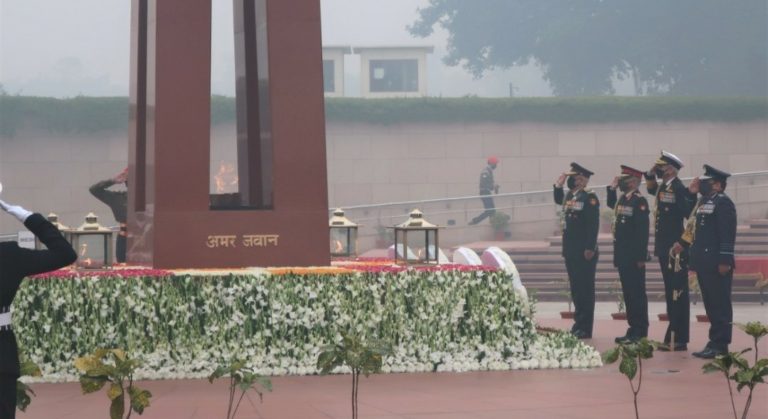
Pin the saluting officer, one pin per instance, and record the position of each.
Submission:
(17, 263)
(581, 210)
(118, 203)
(630, 249)
(673, 205)
(711, 237)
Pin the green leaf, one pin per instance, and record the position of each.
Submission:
(755, 329)
(139, 399)
(91, 384)
(30, 369)
(325, 359)
(87, 363)
(610, 356)
(115, 391)
(714, 366)
(23, 398)
(628, 367)
(218, 373)
(117, 408)
(265, 383)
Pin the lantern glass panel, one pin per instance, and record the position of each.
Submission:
(431, 246)
(343, 241)
(92, 250)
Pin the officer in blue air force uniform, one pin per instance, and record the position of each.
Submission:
(581, 211)
(630, 249)
(673, 205)
(710, 239)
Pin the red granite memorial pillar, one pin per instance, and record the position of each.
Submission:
(279, 216)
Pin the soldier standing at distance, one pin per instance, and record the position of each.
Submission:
(581, 210)
(711, 239)
(630, 249)
(673, 205)
(487, 188)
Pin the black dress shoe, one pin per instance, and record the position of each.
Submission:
(580, 334)
(708, 353)
(679, 347)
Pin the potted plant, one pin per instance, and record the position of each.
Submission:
(621, 314)
(500, 223)
(360, 356)
(630, 356)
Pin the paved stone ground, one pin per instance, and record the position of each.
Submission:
(673, 387)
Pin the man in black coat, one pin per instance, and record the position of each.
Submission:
(673, 205)
(711, 240)
(581, 213)
(15, 264)
(630, 249)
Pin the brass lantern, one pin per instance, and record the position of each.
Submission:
(343, 235)
(93, 244)
(64, 230)
(416, 241)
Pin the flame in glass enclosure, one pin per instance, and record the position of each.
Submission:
(241, 140)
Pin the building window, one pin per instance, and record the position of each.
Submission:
(329, 76)
(394, 75)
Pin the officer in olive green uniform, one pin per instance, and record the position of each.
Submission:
(581, 212)
(118, 203)
(487, 188)
(630, 249)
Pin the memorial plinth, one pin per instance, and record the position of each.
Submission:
(279, 215)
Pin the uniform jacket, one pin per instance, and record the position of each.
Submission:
(714, 235)
(673, 205)
(630, 228)
(17, 263)
(487, 185)
(117, 201)
(582, 221)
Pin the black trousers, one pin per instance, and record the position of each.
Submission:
(678, 302)
(716, 293)
(581, 275)
(490, 209)
(7, 396)
(635, 299)
(120, 246)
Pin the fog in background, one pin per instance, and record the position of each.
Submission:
(81, 47)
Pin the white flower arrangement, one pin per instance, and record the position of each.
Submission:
(184, 326)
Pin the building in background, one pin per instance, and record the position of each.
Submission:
(385, 71)
(393, 71)
(333, 70)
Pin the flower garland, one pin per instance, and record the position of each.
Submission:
(184, 325)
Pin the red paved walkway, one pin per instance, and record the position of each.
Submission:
(673, 387)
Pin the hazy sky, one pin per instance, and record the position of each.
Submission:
(67, 48)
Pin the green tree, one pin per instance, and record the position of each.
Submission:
(682, 47)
